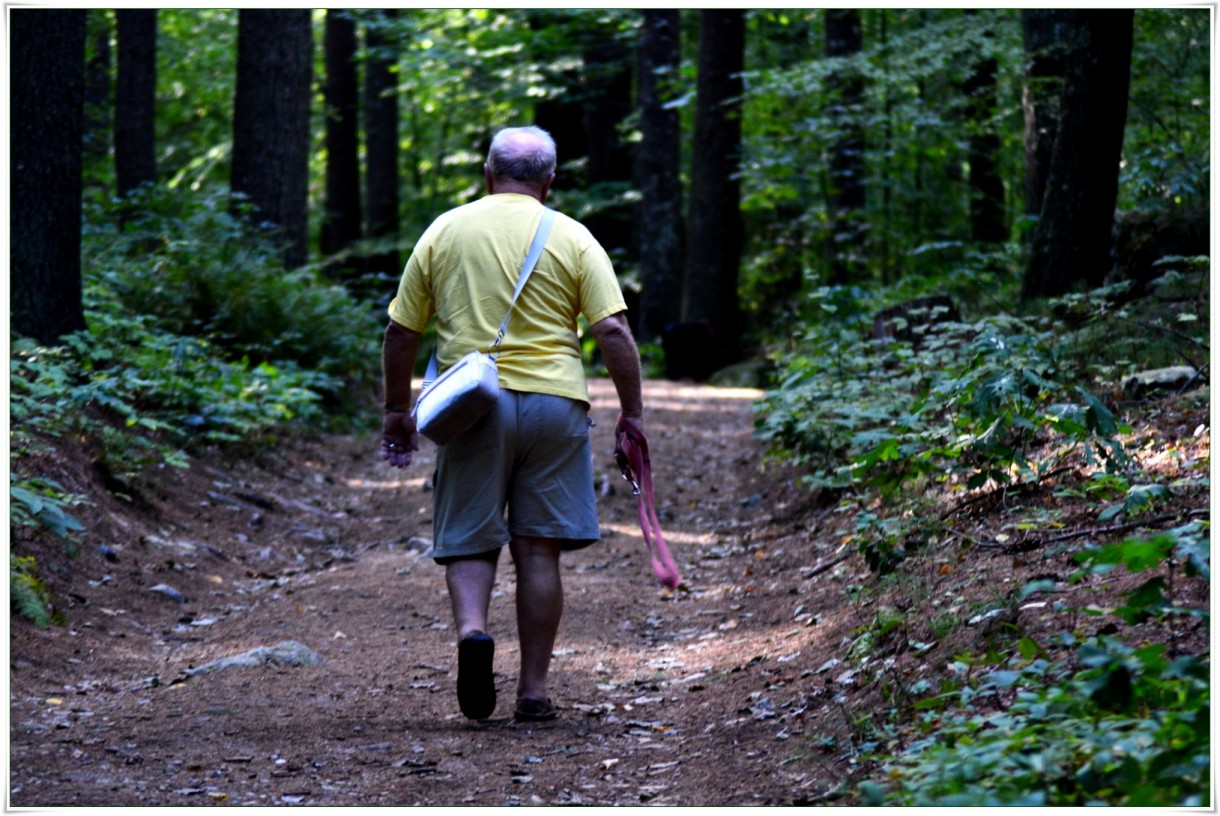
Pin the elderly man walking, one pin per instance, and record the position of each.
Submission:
(523, 474)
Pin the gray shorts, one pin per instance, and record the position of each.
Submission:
(525, 469)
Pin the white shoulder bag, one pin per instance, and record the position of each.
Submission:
(449, 404)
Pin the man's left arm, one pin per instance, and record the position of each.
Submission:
(399, 438)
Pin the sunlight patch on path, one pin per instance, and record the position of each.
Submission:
(392, 484)
(672, 536)
(661, 395)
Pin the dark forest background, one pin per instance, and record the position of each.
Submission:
(963, 254)
(211, 208)
(735, 163)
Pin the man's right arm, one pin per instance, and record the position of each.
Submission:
(622, 359)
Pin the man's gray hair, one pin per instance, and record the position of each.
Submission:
(524, 154)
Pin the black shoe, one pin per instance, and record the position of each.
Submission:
(535, 710)
(476, 687)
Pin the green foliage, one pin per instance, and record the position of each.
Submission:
(918, 125)
(1131, 729)
(188, 267)
(972, 404)
(1138, 499)
(142, 394)
(28, 595)
(1110, 338)
(41, 503)
(1186, 543)
(196, 71)
(37, 505)
(1116, 725)
(1166, 160)
(146, 382)
(883, 540)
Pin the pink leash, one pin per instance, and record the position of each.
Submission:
(636, 465)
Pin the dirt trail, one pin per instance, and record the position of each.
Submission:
(709, 695)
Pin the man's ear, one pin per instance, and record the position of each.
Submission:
(546, 188)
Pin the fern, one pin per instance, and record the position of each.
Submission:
(29, 596)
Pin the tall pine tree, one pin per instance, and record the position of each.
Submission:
(271, 122)
(46, 116)
(714, 242)
(1073, 238)
(342, 215)
(658, 228)
(135, 97)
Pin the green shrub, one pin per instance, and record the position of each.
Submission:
(969, 405)
(192, 269)
(1117, 724)
(28, 595)
(168, 391)
(37, 505)
(976, 402)
(1129, 729)
(40, 503)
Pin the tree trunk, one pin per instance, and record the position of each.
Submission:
(1044, 56)
(135, 100)
(607, 103)
(1072, 240)
(987, 221)
(381, 146)
(844, 39)
(341, 220)
(659, 214)
(47, 120)
(98, 97)
(713, 258)
(271, 129)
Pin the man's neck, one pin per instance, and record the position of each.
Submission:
(518, 187)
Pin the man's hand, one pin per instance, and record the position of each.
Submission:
(399, 438)
(627, 427)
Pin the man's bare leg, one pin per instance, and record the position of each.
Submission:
(470, 582)
(539, 608)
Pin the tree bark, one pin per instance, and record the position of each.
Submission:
(607, 103)
(381, 146)
(99, 98)
(46, 112)
(713, 257)
(987, 213)
(659, 214)
(845, 39)
(135, 100)
(1044, 37)
(342, 218)
(1072, 241)
(271, 131)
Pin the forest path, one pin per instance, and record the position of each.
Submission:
(714, 694)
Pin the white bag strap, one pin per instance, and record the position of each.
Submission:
(531, 260)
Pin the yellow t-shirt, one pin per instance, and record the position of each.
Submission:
(464, 269)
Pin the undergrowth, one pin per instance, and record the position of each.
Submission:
(1110, 724)
(954, 407)
(1008, 403)
(196, 337)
